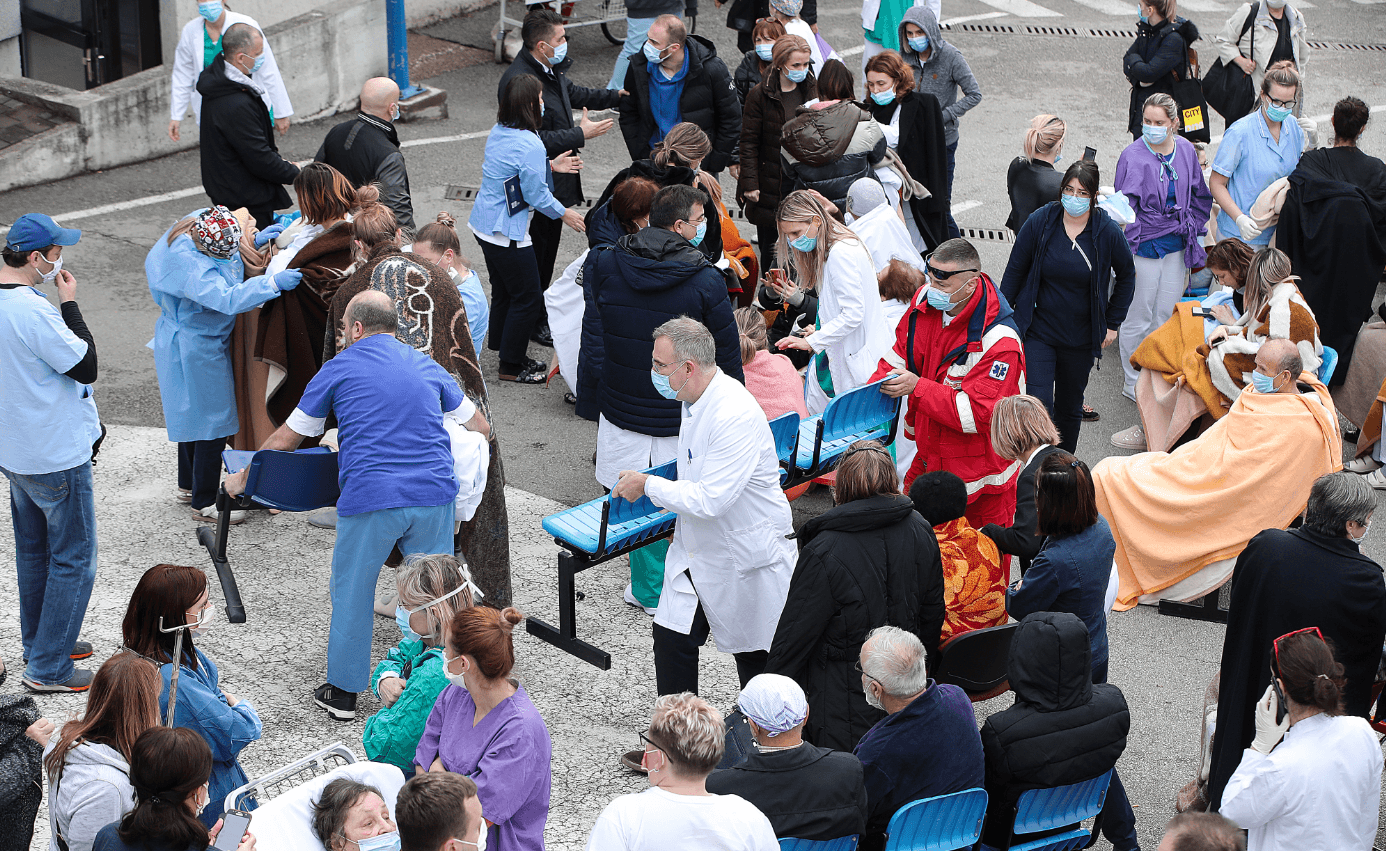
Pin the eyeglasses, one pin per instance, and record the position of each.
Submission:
(644, 739)
(1283, 104)
(939, 274)
(861, 671)
(1275, 645)
(1077, 193)
(660, 367)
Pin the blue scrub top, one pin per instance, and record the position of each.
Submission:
(198, 298)
(1251, 160)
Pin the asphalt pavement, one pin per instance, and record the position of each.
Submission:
(1023, 67)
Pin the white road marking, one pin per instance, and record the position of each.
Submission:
(986, 16)
(964, 206)
(1364, 2)
(1209, 6)
(1023, 8)
(125, 205)
(852, 51)
(436, 140)
(1110, 7)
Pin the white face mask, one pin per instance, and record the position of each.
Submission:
(871, 698)
(458, 680)
(1365, 527)
(50, 276)
(480, 844)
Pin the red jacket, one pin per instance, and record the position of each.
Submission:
(963, 368)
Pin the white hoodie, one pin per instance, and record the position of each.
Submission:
(92, 791)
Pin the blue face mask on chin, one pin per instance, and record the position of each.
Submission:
(1263, 383)
(920, 44)
(766, 52)
(383, 842)
(1154, 135)
(796, 76)
(1075, 206)
(883, 98)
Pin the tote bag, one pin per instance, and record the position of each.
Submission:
(1226, 87)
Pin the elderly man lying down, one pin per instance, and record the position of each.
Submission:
(1181, 518)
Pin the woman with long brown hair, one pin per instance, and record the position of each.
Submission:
(485, 726)
(169, 595)
(88, 760)
(869, 561)
(851, 335)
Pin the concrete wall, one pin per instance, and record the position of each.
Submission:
(9, 57)
(325, 55)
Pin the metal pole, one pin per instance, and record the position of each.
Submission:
(177, 663)
(397, 39)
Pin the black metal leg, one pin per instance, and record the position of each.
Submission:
(216, 548)
(1204, 609)
(565, 637)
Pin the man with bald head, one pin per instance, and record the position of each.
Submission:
(241, 165)
(396, 473)
(366, 148)
(1181, 518)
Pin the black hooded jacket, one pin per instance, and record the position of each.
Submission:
(241, 165)
(807, 792)
(868, 563)
(708, 100)
(1061, 729)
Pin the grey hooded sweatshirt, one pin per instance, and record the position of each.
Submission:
(92, 791)
(942, 74)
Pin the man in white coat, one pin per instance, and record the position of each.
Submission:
(730, 562)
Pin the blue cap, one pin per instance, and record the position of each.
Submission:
(35, 231)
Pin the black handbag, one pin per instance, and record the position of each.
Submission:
(1226, 87)
(1193, 108)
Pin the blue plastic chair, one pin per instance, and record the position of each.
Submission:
(864, 413)
(1048, 809)
(1330, 363)
(785, 430)
(603, 527)
(941, 823)
(289, 481)
(842, 843)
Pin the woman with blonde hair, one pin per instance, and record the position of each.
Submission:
(850, 336)
(869, 561)
(771, 378)
(1021, 430)
(432, 589)
(684, 743)
(1032, 180)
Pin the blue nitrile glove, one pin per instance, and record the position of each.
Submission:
(287, 279)
(287, 219)
(267, 234)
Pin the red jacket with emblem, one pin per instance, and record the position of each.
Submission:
(964, 368)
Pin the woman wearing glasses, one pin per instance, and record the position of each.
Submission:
(1312, 776)
(1056, 280)
(170, 595)
(685, 742)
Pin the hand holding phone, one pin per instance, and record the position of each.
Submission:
(234, 824)
(1090, 154)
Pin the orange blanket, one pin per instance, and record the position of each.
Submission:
(1172, 514)
(1172, 350)
(974, 586)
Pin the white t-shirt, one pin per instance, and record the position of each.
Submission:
(661, 821)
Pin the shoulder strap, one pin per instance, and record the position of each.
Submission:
(909, 340)
(1246, 25)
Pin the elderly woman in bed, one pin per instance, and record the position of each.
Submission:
(352, 816)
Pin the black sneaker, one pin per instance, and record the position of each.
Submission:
(341, 705)
(79, 681)
(81, 650)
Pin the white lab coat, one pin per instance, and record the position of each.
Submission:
(885, 235)
(853, 332)
(1319, 790)
(729, 539)
(187, 65)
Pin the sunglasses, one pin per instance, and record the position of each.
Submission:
(939, 274)
(1275, 645)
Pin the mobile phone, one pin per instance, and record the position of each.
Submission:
(778, 276)
(1281, 709)
(1090, 154)
(234, 824)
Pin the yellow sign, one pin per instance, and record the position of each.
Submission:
(1193, 119)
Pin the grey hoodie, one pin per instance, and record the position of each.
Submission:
(92, 791)
(943, 74)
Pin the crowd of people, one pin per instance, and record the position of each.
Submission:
(348, 327)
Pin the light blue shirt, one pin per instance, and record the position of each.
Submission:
(474, 301)
(48, 422)
(511, 152)
(198, 300)
(1251, 159)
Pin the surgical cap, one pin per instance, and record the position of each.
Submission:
(788, 8)
(776, 703)
(865, 195)
(216, 232)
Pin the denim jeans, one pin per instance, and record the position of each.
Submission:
(55, 558)
(637, 32)
(363, 543)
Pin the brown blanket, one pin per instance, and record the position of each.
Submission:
(433, 320)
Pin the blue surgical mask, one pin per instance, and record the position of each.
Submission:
(1263, 383)
(804, 243)
(797, 76)
(258, 63)
(766, 52)
(383, 842)
(652, 53)
(698, 237)
(1075, 206)
(938, 300)
(662, 385)
(1154, 135)
(919, 45)
(402, 621)
(884, 98)
(559, 54)
(210, 12)
(541, 107)
(1277, 113)
(1058, 158)
(1141, 17)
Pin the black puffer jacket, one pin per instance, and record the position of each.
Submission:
(708, 100)
(672, 175)
(869, 563)
(241, 165)
(829, 149)
(748, 75)
(1061, 729)
(1154, 62)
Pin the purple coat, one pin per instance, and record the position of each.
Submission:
(508, 755)
(1140, 178)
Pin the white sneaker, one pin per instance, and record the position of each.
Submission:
(1131, 438)
(1377, 479)
(631, 601)
(210, 514)
(1365, 464)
